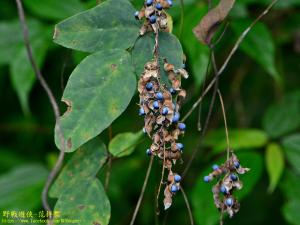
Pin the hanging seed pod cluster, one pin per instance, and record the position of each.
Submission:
(228, 181)
(156, 18)
(160, 102)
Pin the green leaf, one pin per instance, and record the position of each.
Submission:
(239, 139)
(291, 211)
(84, 164)
(124, 144)
(54, 9)
(107, 26)
(169, 48)
(282, 117)
(12, 41)
(22, 74)
(86, 202)
(21, 187)
(197, 53)
(291, 145)
(202, 197)
(274, 164)
(98, 91)
(258, 42)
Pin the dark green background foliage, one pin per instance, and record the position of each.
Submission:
(97, 77)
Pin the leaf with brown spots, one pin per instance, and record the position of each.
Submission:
(98, 91)
(208, 25)
(84, 164)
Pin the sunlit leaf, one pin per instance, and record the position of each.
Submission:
(124, 144)
(274, 164)
(98, 91)
(239, 139)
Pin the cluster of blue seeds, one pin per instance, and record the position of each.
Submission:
(156, 18)
(227, 175)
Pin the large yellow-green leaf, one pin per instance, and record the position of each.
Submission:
(124, 144)
(202, 197)
(239, 139)
(109, 25)
(86, 202)
(84, 164)
(274, 164)
(98, 91)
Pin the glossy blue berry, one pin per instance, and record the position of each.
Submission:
(165, 111)
(183, 66)
(236, 164)
(229, 202)
(149, 86)
(172, 91)
(233, 177)
(207, 179)
(149, 2)
(176, 117)
(142, 112)
(136, 14)
(181, 126)
(152, 19)
(179, 146)
(148, 152)
(170, 2)
(159, 6)
(215, 167)
(155, 105)
(174, 188)
(223, 189)
(144, 130)
(159, 96)
(177, 178)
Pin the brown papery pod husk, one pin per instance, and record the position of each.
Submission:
(208, 25)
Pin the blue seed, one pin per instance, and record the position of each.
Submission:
(172, 91)
(179, 146)
(170, 2)
(149, 2)
(176, 117)
(165, 111)
(136, 14)
(149, 86)
(207, 179)
(181, 126)
(155, 105)
(233, 177)
(152, 19)
(174, 188)
(215, 167)
(148, 152)
(144, 130)
(159, 96)
(236, 164)
(229, 202)
(142, 112)
(159, 6)
(183, 66)
(223, 189)
(177, 178)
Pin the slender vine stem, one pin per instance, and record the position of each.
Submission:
(187, 206)
(53, 103)
(142, 191)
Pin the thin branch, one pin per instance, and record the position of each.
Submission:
(161, 180)
(142, 191)
(234, 49)
(52, 100)
(225, 123)
(187, 206)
